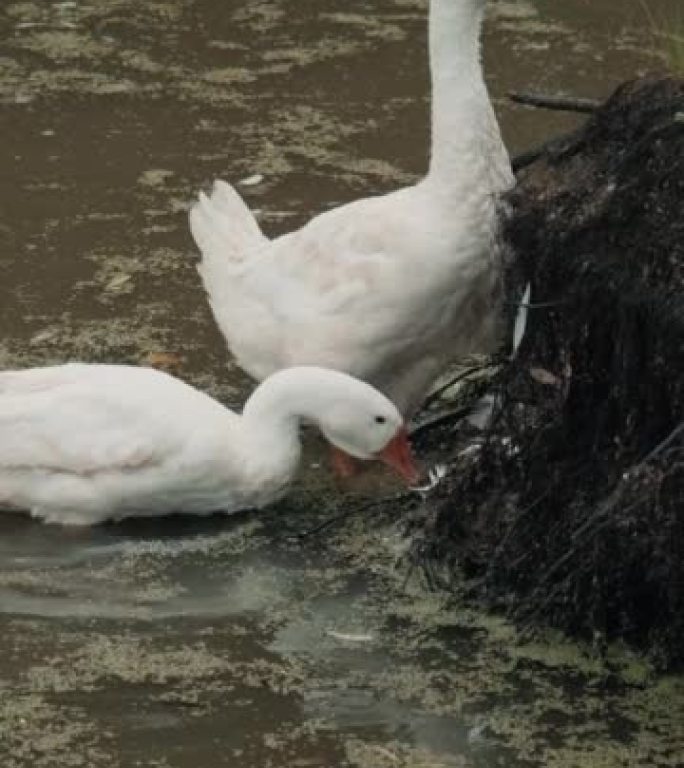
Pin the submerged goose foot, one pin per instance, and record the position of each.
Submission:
(344, 466)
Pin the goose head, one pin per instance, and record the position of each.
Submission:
(366, 425)
(353, 416)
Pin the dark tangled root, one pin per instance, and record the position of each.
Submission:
(573, 513)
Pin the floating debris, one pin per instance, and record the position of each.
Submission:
(251, 181)
(349, 638)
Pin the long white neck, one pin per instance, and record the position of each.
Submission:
(281, 402)
(462, 117)
(273, 414)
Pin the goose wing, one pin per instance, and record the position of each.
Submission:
(85, 419)
(306, 296)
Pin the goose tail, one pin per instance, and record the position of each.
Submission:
(224, 230)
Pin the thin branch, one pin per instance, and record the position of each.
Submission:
(596, 523)
(437, 393)
(664, 444)
(354, 511)
(524, 159)
(537, 305)
(446, 417)
(520, 517)
(555, 102)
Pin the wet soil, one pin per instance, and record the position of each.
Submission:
(179, 643)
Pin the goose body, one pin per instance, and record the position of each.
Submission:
(81, 443)
(391, 288)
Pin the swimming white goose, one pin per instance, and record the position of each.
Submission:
(389, 289)
(83, 443)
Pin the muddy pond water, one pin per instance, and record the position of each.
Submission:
(228, 641)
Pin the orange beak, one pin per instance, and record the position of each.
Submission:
(397, 454)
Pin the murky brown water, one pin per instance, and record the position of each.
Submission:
(177, 643)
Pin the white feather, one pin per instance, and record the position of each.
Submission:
(521, 320)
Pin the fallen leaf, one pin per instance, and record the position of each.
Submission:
(542, 376)
(165, 361)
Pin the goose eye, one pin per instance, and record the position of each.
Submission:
(380, 419)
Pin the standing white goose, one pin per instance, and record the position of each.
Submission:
(80, 443)
(389, 289)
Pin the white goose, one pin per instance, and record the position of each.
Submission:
(389, 289)
(80, 443)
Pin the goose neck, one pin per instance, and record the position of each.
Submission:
(460, 102)
(454, 39)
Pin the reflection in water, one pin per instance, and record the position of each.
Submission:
(232, 577)
(216, 642)
(184, 568)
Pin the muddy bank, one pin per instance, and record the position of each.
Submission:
(572, 511)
